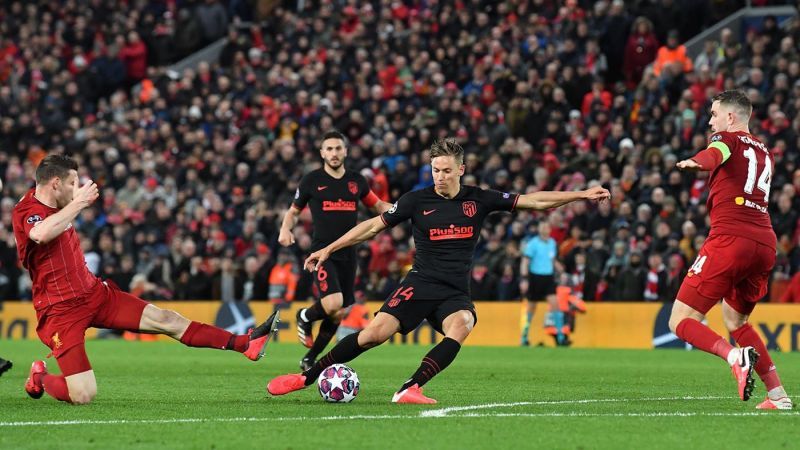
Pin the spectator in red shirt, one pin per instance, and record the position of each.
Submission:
(640, 51)
(134, 55)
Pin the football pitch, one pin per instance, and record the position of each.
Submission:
(163, 395)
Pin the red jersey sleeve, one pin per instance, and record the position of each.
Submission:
(30, 216)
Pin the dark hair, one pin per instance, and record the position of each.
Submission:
(334, 134)
(447, 147)
(738, 100)
(54, 166)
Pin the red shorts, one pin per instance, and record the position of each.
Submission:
(62, 326)
(730, 267)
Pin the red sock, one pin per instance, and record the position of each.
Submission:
(239, 343)
(746, 336)
(703, 338)
(203, 335)
(56, 387)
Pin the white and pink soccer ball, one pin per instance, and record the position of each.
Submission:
(338, 384)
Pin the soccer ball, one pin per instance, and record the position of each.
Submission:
(338, 384)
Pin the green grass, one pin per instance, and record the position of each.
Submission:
(145, 382)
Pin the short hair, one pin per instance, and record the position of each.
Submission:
(334, 134)
(736, 99)
(54, 165)
(447, 147)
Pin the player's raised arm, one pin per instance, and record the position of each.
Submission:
(554, 199)
(364, 231)
(55, 224)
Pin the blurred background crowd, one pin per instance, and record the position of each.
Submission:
(197, 167)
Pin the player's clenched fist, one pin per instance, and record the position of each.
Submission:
(86, 194)
(285, 238)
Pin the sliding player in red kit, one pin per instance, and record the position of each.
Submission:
(68, 299)
(739, 254)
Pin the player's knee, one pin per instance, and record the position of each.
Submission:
(465, 321)
(733, 323)
(82, 396)
(460, 327)
(372, 337)
(674, 321)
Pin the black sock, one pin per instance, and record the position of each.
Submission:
(434, 362)
(346, 350)
(327, 329)
(315, 312)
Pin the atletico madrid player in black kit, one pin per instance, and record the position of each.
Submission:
(446, 219)
(332, 193)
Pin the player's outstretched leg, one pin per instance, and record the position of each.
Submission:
(196, 334)
(327, 330)
(746, 336)
(685, 323)
(348, 349)
(5, 366)
(456, 327)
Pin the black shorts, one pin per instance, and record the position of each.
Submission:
(411, 310)
(335, 277)
(540, 286)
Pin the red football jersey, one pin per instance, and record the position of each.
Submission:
(739, 188)
(58, 269)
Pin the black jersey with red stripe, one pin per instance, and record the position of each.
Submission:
(334, 206)
(446, 230)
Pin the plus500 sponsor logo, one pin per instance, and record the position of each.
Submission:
(453, 232)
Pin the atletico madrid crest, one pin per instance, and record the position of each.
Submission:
(353, 187)
(469, 208)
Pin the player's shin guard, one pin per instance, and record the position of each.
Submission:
(56, 387)
(202, 335)
(434, 362)
(702, 337)
(746, 336)
(346, 350)
(327, 329)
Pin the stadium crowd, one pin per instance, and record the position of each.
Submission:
(197, 168)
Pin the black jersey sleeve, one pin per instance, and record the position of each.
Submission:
(498, 201)
(401, 211)
(302, 195)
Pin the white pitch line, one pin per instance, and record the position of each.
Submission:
(444, 411)
(432, 414)
(394, 417)
(197, 420)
